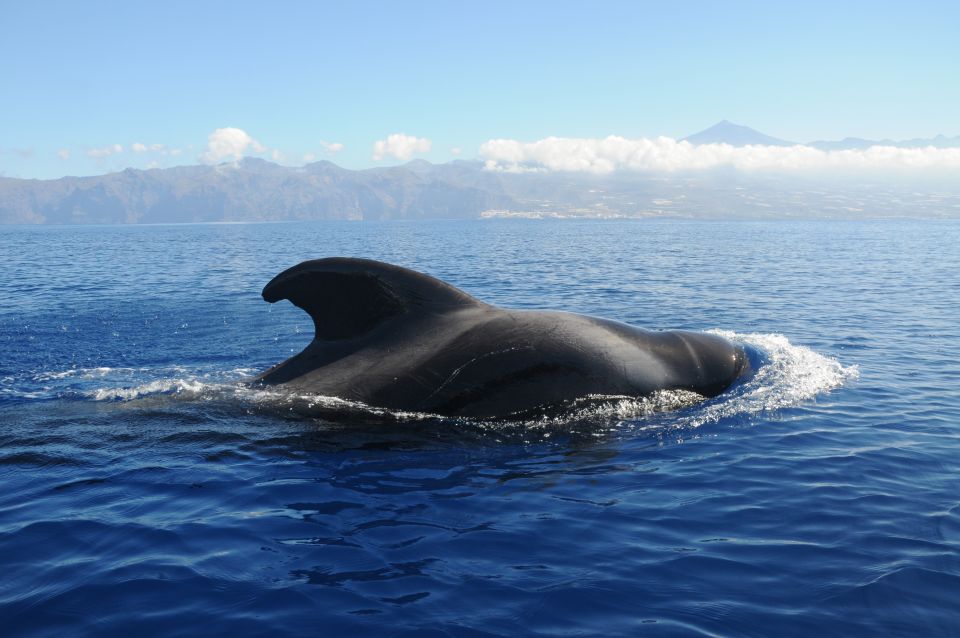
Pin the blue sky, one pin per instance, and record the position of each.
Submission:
(84, 82)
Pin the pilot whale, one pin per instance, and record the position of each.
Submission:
(395, 338)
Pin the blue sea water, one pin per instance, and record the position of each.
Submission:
(144, 491)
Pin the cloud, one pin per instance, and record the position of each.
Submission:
(456, 150)
(229, 144)
(664, 154)
(137, 147)
(309, 157)
(400, 146)
(105, 151)
(331, 147)
(64, 153)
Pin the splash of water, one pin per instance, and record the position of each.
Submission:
(785, 375)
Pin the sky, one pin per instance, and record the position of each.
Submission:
(95, 87)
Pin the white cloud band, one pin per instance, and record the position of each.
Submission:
(664, 154)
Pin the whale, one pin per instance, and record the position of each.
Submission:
(394, 338)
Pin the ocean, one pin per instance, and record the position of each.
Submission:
(146, 490)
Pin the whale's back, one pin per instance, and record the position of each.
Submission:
(395, 338)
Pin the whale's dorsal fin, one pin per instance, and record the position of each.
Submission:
(347, 297)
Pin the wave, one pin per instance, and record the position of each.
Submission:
(784, 375)
(104, 383)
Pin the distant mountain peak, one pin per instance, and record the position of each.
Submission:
(726, 132)
(255, 163)
(323, 165)
(938, 141)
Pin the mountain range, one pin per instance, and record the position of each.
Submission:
(257, 190)
(939, 141)
(725, 132)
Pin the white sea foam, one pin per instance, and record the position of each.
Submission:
(83, 373)
(317, 405)
(164, 386)
(788, 375)
(182, 382)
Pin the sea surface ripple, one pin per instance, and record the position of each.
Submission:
(147, 490)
